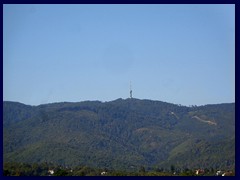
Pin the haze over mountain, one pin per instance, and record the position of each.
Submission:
(120, 134)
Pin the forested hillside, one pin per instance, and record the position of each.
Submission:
(121, 134)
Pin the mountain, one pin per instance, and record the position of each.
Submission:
(120, 134)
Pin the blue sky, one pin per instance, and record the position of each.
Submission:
(182, 54)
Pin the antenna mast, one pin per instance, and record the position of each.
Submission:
(130, 89)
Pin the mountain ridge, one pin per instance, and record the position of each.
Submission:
(120, 134)
(118, 99)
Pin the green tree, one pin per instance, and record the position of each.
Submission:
(172, 168)
(6, 173)
(142, 169)
(61, 172)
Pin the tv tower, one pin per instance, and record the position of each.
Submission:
(130, 89)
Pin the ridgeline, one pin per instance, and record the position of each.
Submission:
(120, 134)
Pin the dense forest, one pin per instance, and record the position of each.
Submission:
(121, 135)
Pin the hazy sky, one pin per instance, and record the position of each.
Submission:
(182, 54)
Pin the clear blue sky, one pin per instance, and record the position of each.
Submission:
(182, 54)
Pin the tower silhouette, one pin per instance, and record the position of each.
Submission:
(130, 90)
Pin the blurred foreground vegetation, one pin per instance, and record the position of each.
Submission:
(48, 169)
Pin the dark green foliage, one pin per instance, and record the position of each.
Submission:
(44, 169)
(61, 172)
(24, 169)
(121, 134)
(142, 169)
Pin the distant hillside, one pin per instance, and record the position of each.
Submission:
(120, 134)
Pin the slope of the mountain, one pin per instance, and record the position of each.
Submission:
(120, 134)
